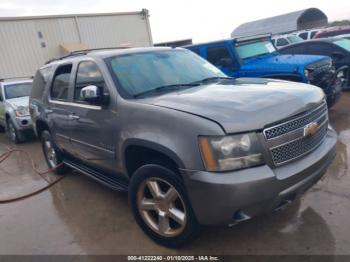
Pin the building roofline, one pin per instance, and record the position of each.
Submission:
(15, 18)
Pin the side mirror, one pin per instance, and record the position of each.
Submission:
(338, 55)
(90, 94)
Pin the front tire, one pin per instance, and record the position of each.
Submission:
(13, 134)
(52, 154)
(161, 206)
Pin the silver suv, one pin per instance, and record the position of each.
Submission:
(191, 145)
(14, 108)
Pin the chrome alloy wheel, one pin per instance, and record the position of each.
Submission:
(161, 207)
(50, 153)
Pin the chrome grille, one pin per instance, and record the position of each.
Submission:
(287, 140)
(296, 122)
(297, 148)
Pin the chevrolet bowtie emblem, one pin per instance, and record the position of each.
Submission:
(311, 129)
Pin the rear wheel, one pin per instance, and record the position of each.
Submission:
(161, 207)
(52, 154)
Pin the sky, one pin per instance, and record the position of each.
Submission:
(181, 19)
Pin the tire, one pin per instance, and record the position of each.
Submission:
(13, 134)
(149, 219)
(46, 139)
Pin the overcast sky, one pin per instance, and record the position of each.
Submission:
(171, 20)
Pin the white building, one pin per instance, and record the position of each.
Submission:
(26, 43)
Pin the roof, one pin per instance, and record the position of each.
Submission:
(107, 52)
(15, 80)
(13, 18)
(299, 20)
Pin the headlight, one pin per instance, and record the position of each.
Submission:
(22, 111)
(223, 153)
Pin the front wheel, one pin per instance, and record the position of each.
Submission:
(15, 135)
(161, 207)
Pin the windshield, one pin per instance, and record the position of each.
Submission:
(17, 90)
(343, 43)
(142, 72)
(295, 39)
(251, 49)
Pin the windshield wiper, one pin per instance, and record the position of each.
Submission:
(208, 79)
(165, 88)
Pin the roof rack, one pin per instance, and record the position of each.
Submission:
(16, 77)
(253, 37)
(84, 52)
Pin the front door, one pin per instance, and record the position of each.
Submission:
(92, 124)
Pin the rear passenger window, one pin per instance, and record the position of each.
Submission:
(60, 86)
(303, 35)
(88, 74)
(40, 80)
(313, 33)
(215, 54)
(281, 42)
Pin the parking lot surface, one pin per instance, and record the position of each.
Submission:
(80, 216)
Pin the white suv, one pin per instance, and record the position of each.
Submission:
(14, 111)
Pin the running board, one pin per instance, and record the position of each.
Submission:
(108, 181)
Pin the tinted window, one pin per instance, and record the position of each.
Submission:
(195, 50)
(215, 54)
(60, 84)
(40, 80)
(281, 42)
(17, 90)
(1, 97)
(88, 74)
(313, 33)
(303, 35)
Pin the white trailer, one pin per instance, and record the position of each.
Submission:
(26, 43)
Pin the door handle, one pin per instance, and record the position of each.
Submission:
(73, 117)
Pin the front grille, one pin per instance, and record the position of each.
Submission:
(287, 140)
(298, 148)
(295, 122)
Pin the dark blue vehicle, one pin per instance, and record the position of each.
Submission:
(257, 57)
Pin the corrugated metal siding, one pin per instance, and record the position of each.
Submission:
(21, 51)
(113, 31)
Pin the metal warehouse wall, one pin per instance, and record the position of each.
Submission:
(26, 43)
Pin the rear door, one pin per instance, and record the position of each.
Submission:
(58, 107)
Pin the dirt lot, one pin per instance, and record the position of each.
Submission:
(79, 216)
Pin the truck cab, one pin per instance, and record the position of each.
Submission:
(257, 57)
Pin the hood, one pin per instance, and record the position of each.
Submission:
(281, 63)
(244, 104)
(18, 101)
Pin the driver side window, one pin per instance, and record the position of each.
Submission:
(88, 74)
